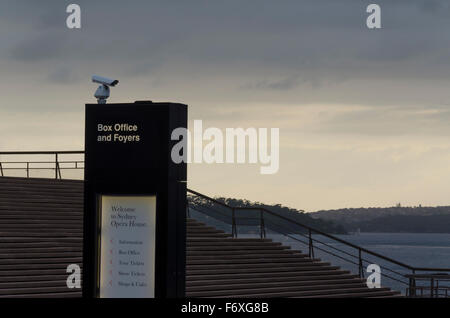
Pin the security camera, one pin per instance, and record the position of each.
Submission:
(104, 80)
(102, 92)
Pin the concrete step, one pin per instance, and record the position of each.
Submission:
(47, 256)
(393, 294)
(213, 276)
(29, 195)
(37, 210)
(239, 252)
(30, 226)
(207, 239)
(72, 250)
(268, 279)
(6, 203)
(261, 285)
(241, 249)
(311, 288)
(32, 284)
(322, 293)
(52, 191)
(250, 262)
(201, 228)
(245, 261)
(365, 292)
(74, 294)
(192, 222)
(40, 234)
(27, 279)
(254, 257)
(40, 182)
(230, 242)
(213, 235)
(268, 270)
(256, 265)
(61, 265)
(34, 290)
(11, 242)
(33, 272)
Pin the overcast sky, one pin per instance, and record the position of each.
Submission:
(363, 114)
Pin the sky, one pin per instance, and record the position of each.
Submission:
(363, 114)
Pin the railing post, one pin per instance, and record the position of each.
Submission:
(1, 169)
(361, 267)
(412, 285)
(432, 293)
(57, 168)
(262, 226)
(56, 165)
(233, 223)
(311, 247)
(28, 169)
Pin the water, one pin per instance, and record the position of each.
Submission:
(415, 249)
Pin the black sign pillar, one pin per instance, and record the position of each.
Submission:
(135, 202)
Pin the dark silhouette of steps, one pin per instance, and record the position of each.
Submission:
(227, 267)
(41, 232)
(41, 222)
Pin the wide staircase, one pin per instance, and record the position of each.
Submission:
(221, 266)
(41, 233)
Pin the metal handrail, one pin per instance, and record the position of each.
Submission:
(307, 234)
(324, 234)
(57, 168)
(360, 259)
(52, 162)
(63, 152)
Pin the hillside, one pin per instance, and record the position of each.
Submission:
(252, 218)
(393, 219)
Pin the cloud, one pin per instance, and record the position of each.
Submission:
(295, 52)
(435, 7)
(44, 47)
(63, 75)
(387, 121)
(283, 84)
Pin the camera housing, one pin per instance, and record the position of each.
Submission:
(102, 93)
(104, 80)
